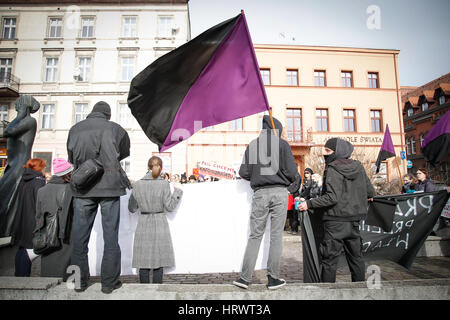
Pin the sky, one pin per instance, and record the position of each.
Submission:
(420, 29)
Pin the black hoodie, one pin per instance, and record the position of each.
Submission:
(346, 187)
(263, 168)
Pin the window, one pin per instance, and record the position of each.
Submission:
(265, 75)
(55, 28)
(294, 124)
(373, 80)
(375, 120)
(413, 145)
(236, 125)
(165, 25)
(126, 165)
(441, 100)
(347, 79)
(5, 69)
(349, 120)
(87, 27)
(410, 112)
(9, 28)
(51, 69)
(292, 77)
(81, 111)
(408, 146)
(319, 78)
(4, 112)
(322, 119)
(127, 68)
(48, 116)
(422, 137)
(125, 116)
(84, 67)
(129, 27)
(425, 106)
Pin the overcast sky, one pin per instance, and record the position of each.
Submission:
(420, 29)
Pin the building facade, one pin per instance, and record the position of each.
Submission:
(71, 54)
(422, 108)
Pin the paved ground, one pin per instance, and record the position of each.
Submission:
(292, 269)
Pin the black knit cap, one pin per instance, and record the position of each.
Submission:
(309, 170)
(331, 144)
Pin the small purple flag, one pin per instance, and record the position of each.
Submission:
(387, 149)
(436, 144)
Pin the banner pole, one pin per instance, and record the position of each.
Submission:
(271, 121)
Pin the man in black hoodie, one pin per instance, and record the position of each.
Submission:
(346, 189)
(270, 167)
(96, 134)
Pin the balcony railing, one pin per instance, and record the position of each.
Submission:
(300, 138)
(9, 85)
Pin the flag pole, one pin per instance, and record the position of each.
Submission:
(399, 173)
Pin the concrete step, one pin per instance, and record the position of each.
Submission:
(12, 288)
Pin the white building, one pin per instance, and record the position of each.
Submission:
(71, 54)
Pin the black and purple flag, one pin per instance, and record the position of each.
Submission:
(387, 149)
(436, 144)
(213, 78)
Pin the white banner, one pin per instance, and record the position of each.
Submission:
(209, 230)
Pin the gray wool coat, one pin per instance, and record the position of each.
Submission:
(152, 241)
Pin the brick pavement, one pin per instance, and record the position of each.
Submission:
(292, 269)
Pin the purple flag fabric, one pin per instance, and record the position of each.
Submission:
(436, 145)
(440, 128)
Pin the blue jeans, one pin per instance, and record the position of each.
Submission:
(85, 210)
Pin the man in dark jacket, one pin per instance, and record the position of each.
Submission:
(345, 191)
(270, 166)
(95, 133)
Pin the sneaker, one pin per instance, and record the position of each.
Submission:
(241, 283)
(275, 283)
(109, 290)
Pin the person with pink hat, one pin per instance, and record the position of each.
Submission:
(56, 198)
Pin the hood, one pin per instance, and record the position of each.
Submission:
(101, 108)
(344, 149)
(56, 180)
(29, 174)
(267, 124)
(347, 167)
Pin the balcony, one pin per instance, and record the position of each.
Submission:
(9, 86)
(300, 138)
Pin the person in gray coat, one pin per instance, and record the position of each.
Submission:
(152, 241)
(96, 134)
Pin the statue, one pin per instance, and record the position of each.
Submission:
(20, 134)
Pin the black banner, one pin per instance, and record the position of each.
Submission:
(414, 219)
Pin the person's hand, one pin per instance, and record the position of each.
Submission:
(303, 206)
(370, 199)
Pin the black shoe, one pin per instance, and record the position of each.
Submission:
(83, 288)
(241, 283)
(109, 290)
(275, 283)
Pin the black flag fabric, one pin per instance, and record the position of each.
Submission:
(436, 145)
(381, 213)
(387, 149)
(414, 218)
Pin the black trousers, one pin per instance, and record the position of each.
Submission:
(22, 263)
(144, 275)
(293, 220)
(340, 235)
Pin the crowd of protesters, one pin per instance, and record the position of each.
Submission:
(98, 138)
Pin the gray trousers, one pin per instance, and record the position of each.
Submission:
(273, 203)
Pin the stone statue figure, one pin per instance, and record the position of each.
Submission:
(20, 134)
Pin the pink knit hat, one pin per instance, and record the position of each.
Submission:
(61, 167)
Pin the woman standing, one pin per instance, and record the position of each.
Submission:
(408, 183)
(424, 183)
(33, 178)
(152, 241)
